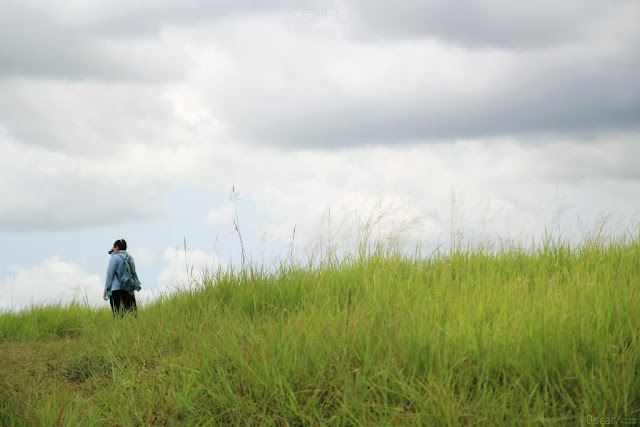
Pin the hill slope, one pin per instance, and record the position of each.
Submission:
(513, 337)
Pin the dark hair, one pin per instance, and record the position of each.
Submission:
(121, 244)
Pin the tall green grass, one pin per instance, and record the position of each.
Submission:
(548, 334)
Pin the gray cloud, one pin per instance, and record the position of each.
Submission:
(87, 119)
(37, 44)
(485, 23)
(46, 189)
(104, 40)
(56, 203)
(421, 91)
(437, 70)
(109, 40)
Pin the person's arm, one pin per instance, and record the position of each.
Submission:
(111, 271)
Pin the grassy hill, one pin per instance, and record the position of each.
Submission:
(547, 334)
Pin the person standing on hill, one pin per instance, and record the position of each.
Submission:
(121, 300)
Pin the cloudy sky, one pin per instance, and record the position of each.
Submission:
(436, 121)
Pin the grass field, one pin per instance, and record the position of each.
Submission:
(548, 334)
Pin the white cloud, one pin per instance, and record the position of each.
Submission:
(51, 281)
(143, 256)
(183, 269)
(222, 217)
(484, 189)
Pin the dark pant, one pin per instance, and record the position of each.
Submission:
(122, 302)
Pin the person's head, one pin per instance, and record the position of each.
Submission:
(119, 245)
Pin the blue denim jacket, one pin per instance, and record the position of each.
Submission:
(115, 270)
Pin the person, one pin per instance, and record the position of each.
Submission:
(121, 301)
